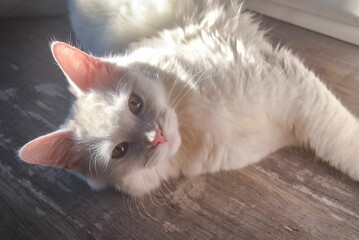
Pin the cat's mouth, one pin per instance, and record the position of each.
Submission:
(164, 139)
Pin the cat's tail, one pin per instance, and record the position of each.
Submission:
(321, 121)
(107, 26)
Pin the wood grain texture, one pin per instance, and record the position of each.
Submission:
(289, 195)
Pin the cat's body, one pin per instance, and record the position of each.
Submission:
(222, 96)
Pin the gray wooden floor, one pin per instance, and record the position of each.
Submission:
(289, 195)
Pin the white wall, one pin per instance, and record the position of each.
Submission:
(336, 18)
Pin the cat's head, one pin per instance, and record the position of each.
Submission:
(122, 129)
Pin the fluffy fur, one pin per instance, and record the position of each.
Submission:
(221, 94)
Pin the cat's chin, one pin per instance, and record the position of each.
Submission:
(143, 180)
(140, 182)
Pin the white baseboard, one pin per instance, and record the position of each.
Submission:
(347, 30)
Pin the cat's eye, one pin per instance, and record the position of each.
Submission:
(135, 104)
(120, 150)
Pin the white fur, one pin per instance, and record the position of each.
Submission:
(122, 22)
(236, 98)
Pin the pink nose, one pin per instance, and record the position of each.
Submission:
(155, 137)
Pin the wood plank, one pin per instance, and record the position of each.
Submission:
(289, 195)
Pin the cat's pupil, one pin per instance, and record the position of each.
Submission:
(135, 104)
(120, 150)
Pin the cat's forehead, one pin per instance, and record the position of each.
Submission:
(101, 115)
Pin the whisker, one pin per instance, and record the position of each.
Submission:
(119, 81)
(144, 208)
(191, 88)
(128, 203)
(194, 84)
(135, 199)
(150, 196)
(164, 184)
(90, 161)
(159, 191)
(138, 209)
(199, 80)
(165, 198)
(187, 83)
(171, 90)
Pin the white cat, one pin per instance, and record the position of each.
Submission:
(198, 89)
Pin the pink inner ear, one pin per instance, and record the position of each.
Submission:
(81, 68)
(54, 149)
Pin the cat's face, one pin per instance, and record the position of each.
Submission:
(122, 130)
(126, 130)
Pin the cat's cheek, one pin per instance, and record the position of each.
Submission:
(173, 144)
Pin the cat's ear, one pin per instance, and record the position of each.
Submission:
(54, 149)
(81, 69)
